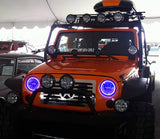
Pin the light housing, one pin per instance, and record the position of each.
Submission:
(12, 98)
(51, 50)
(32, 83)
(101, 18)
(71, 18)
(86, 18)
(67, 82)
(108, 88)
(47, 81)
(121, 105)
(132, 50)
(118, 17)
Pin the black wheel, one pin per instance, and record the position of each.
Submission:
(12, 124)
(142, 124)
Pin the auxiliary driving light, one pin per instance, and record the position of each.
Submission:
(47, 81)
(108, 88)
(120, 105)
(86, 18)
(12, 98)
(51, 50)
(71, 18)
(118, 17)
(132, 50)
(67, 82)
(101, 18)
(32, 83)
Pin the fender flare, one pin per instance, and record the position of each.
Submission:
(2, 100)
(136, 87)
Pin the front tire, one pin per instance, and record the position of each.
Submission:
(143, 125)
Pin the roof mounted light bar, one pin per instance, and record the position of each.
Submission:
(104, 17)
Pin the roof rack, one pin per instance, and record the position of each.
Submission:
(111, 13)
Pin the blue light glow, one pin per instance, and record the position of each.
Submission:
(108, 88)
(32, 83)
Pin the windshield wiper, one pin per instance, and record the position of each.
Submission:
(99, 53)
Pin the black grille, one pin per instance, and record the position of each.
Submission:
(78, 96)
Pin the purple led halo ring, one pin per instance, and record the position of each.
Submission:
(108, 88)
(32, 83)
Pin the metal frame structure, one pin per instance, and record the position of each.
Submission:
(134, 23)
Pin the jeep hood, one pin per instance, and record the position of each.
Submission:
(101, 67)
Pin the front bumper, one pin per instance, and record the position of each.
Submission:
(111, 118)
(70, 123)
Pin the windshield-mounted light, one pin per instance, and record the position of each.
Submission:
(108, 88)
(51, 50)
(132, 50)
(32, 83)
(101, 18)
(71, 18)
(118, 17)
(86, 18)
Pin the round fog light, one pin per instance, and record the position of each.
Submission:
(121, 105)
(101, 18)
(12, 98)
(86, 18)
(71, 18)
(118, 17)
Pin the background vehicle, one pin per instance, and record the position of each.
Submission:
(97, 79)
(7, 46)
(12, 65)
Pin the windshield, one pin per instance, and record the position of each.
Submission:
(110, 42)
(7, 67)
(25, 65)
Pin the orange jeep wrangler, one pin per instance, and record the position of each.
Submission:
(96, 82)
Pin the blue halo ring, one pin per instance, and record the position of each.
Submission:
(32, 83)
(108, 88)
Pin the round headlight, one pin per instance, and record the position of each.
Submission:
(101, 18)
(71, 18)
(121, 105)
(86, 18)
(12, 98)
(132, 50)
(67, 82)
(108, 88)
(47, 81)
(32, 83)
(118, 17)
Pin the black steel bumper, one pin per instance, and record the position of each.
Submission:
(111, 118)
(70, 123)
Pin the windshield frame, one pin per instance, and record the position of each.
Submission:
(94, 30)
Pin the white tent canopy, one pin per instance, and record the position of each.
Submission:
(30, 13)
